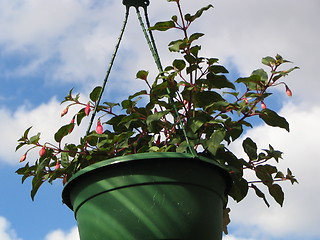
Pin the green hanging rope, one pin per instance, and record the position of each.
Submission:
(109, 69)
(153, 49)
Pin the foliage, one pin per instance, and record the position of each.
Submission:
(192, 97)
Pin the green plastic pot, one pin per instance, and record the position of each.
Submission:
(149, 196)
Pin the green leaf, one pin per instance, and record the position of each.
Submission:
(212, 61)
(63, 131)
(80, 115)
(195, 50)
(195, 36)
(65, 158)
(142, 92)
(72, 149)
(176, 45)
(190, 59)
(163, 26)
(262, 73)
(239, 189)
(94, 95)
(36, 183)
(174, 18)
(179, 64)
(276, 192)
(35, 139)
(290, 177)
(206, 98)
(251, 82)
(250, 148)
(273, 119)
(142, 74)
(264, 174)
(153, 121)
(197, 122)
(279, 175)
(260, 194)
(191, 18)
(218, 69)
(215, 140)
(269, 61)
(218, 81)
(25, 134)
(273, 153)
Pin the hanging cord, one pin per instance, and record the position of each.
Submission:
(109, 69)
(153, 49)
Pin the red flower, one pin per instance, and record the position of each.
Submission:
(99, 128)
(263, 105)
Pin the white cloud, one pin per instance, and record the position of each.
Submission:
(61, 235)
(6, 231)
(44, 118)
(232, 237)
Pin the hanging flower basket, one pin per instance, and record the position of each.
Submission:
(149, 196)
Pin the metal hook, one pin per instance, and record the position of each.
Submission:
(136, 3)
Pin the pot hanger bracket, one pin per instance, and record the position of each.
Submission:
(136, 3)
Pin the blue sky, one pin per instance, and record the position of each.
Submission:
(50, 46)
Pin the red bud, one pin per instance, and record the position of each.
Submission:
(64, 181)
(57, 165)
(23, 157)
(64, 112)
(288, 91)
(42, 151)
(87, 109)
(99, 128)
(246, 100)
(263, 105)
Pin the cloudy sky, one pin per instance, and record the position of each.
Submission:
(50, 46)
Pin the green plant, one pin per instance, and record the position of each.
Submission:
(191, 106)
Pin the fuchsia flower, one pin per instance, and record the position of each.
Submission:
(87, 109)
(42, 151)
(263, 105)
(99, 128)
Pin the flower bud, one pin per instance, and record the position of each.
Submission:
(288, 91)
(158, 141)
(87, 109)
(65, 179)
(99, 128)
(42, 151)
(57, 165)
(263, 105)
(64, 112)
(246, 100)
(23, 157)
